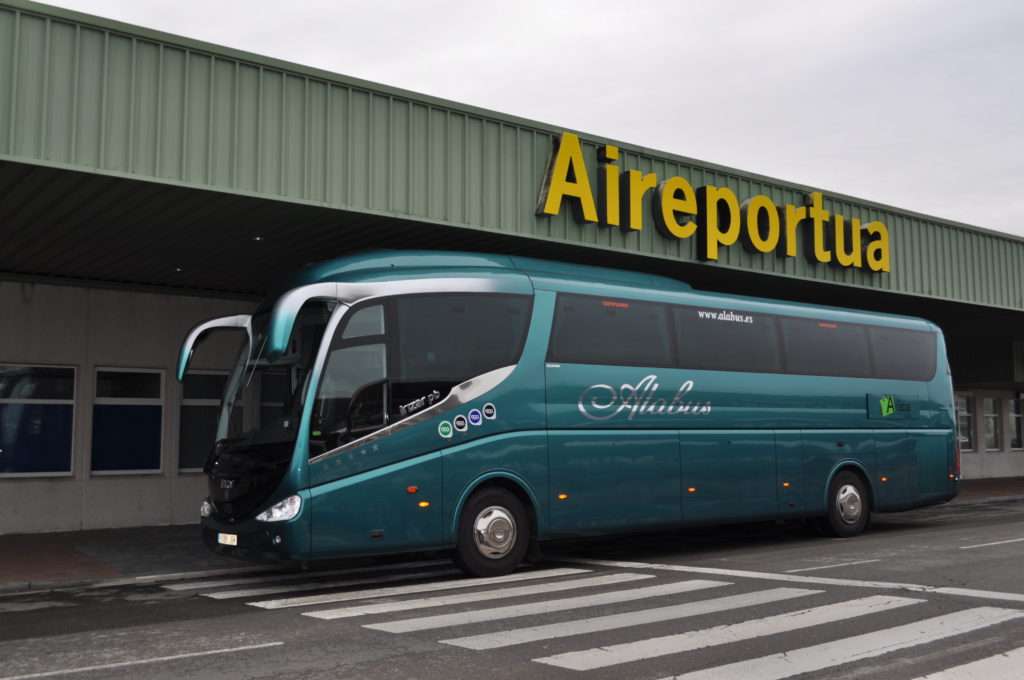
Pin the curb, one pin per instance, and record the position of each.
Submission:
(24, 587)
(985, 500)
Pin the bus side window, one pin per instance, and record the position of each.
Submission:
(446, 339)
(713, 339)
(613, 332)
(902, 354)
(826, 348)
(356, 360)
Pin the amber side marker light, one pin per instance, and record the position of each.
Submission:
(786, 485)
(424, 504)
(884, 479)
(563, 496)
(412, 489)
(691, 489)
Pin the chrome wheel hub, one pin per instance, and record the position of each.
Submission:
(849, 504)
(494, 532)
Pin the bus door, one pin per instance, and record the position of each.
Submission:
(376, 469)
(357, 488)
(613, 455)
(728, 475)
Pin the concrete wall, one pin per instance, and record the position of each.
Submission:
(88, 328)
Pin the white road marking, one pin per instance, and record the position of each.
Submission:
(853, 649)
(1006, 666)
(830, 566)
(508, 638)
(980, 594)
(545, 607)
(299, 576)
(328, 598)
(323, 585)
(462, 598)
(601, 657)
(808, 580)
(139, 662)
(985, 545)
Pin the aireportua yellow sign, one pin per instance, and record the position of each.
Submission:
(713, 214)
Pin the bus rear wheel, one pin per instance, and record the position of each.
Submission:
(849, 506)
(494, 533)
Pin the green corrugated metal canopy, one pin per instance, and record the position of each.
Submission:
(132, 156)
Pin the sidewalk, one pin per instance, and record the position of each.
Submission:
(33, 562)
(981, 490)
(43, 561)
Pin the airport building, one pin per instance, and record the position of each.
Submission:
(149, 182)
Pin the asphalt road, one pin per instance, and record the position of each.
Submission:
(935, 592)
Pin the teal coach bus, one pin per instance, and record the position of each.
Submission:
(406, 401)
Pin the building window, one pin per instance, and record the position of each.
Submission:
(1017, 423)
(965, 421)
(37, 415)
(127, 420)
(200, 410)
(992, 412)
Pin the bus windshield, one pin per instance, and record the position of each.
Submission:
(264, 397)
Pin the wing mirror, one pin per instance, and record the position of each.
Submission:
(240, 321)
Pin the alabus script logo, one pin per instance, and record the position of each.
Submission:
(604, 402)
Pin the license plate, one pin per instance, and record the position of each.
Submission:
(227, 539)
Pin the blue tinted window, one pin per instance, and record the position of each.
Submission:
(35, 437)
(126, 437)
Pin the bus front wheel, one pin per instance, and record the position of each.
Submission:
(849, 506)
(494, 533)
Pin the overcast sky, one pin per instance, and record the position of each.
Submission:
(912, 103)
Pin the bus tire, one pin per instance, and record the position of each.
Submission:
(849, 505)
(494, 533)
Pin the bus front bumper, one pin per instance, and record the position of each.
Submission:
(255, 541)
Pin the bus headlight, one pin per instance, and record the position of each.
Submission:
(281, 511)
(206, 509)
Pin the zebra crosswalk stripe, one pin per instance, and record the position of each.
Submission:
(323, 585)
(860, 647)
(600, 657)
(508, 638)
(716, 572)
(546, 607)
(328, 598)
(462, 598)
(299, 576)
(1006, 666)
